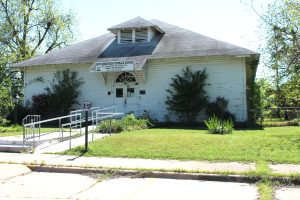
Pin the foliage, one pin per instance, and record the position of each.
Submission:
(146, 114)
(219, 126)
(20, 112)
(218, 108)
(41, 104)
(7, 87)
(7, 129)
(33, 27)
(290, 92)
(187, 96)
(28, 28)
(60, 96)
(3, 121)
(63, 91)
(281, 24)
(256, 104)
(128, 123)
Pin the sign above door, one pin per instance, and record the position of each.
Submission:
(115, 66)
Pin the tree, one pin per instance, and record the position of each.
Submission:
(291, 92)
(281, 26)
(29, 28)
(187, 96)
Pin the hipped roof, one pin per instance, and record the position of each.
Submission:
(172, 41)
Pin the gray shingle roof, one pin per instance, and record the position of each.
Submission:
(176, 42)
(136, 22)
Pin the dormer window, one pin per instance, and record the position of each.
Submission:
(126, 36)
(137, 30)
(141, 35)
(138, 35)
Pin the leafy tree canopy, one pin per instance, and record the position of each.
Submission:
(281, 25)
(29, 28)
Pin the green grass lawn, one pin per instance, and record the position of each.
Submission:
(276, 144)
(271, 122)
(16, 130)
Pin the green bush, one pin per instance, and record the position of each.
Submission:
(218, 126)
(128, 123)
(60, 96)
(187, 95)
(219, 109)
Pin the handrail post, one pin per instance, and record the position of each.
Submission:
(70, 145)
(61, 131)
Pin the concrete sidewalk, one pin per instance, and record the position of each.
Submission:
(136, 163)
(124, 163)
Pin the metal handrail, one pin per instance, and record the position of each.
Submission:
(32, 125)
(52, 119)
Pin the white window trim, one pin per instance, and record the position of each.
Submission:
(133, 36)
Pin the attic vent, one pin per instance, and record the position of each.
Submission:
(126, 36)
(141, 35)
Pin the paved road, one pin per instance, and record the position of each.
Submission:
(18, 182)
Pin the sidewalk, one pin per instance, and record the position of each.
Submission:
(136, 164)
(123, 163)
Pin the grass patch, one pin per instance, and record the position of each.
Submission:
(276, 144)
(16, 130)
(273, 122)
(265, 190)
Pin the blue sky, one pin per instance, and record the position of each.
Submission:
(231, 21)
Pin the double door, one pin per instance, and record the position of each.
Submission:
(126, 99)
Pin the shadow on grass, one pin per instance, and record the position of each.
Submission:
(78, 151)
(201, 126)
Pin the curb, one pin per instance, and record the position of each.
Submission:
(149, 174)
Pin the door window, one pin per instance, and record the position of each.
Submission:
(119, 92)
(130, 92)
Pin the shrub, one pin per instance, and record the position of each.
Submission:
(187, 96)
(3, 122)
(60, 96)
(21, 113)
(41, 105)
(218, 126)
(218, 108)
(116, 126)
(128, 123)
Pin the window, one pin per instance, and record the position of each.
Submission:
(126, 36)
(141, 35)
(130, 92)
(125, 77)
(119, 92)
(142, 92)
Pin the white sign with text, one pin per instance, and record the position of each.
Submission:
(112, 66)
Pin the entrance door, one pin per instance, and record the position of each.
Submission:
(126, 98)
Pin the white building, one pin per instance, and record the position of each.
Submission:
(132, 67)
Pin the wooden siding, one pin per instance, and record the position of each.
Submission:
(226, 77)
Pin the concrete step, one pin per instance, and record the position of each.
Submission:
(15, 148)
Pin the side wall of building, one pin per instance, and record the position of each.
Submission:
(226, 78)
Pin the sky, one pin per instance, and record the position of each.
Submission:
(231, 21)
